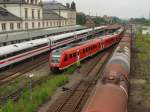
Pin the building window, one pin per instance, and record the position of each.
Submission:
(11, 26)
(3, 26)
(26, 25)
(32, 24)
(50, 24)
(43, 24)
(18, 25)
(57, 23)
(26, 13)
(47, 23)
(65, 22)
(32, 1)
(54, 23)
(32, 13)
(39, 24)
(36, 2)
(39, 14)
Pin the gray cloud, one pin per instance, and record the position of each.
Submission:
(120, 8)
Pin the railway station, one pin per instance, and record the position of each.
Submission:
(74, 56)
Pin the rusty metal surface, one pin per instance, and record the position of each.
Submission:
(107, 98)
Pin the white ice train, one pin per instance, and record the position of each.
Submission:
(18, 52)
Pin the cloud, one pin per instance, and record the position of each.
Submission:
(120, 8)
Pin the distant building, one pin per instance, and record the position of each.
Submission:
(146, 30)
(61, 10)
(33, 14)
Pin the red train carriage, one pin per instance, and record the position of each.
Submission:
(65, 57)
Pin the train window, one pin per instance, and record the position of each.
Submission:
(83, 50)
(63, 39)
(66, 57)
(74, 55)
(70, 55)
(86, 49)
(91, 47)
(22, 51)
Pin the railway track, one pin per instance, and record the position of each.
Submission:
(15, 95)
(21, 69)
(73, 99)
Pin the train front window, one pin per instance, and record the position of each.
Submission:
(55, 59)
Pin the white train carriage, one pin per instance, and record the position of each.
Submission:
(18, 52)
(64, 39)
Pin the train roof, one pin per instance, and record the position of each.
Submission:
(57, 37)
(60, 50)
(21, 46)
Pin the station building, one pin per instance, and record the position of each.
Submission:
(28, 16)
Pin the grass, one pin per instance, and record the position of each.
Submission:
(143, 45)
(71, 69)
(12, 86)
(40, 95)
(139, 99)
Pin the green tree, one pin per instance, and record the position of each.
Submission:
(81, 18)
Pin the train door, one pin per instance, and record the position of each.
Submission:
(78, 58)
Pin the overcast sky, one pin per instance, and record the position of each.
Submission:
(121, 8)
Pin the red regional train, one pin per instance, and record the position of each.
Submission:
(111, 92)
(63, 58)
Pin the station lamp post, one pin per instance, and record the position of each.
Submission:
(30, 76)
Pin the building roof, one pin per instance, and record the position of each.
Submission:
(50, 15)
(54, 5)
(17, 2)
(12, 1)
(7, 16)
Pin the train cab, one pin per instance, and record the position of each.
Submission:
(55, 58)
